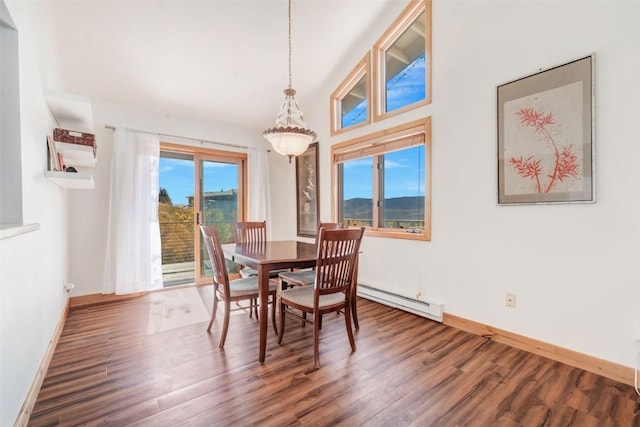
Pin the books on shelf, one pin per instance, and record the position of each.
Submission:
(61, 164)
(53, 163)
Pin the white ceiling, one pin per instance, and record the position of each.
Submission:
(223, 60)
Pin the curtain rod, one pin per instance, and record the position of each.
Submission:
(201, 141)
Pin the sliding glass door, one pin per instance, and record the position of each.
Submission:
(196, 187)
(219, 204)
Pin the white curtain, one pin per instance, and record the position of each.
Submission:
(133, 261)
(259, 208)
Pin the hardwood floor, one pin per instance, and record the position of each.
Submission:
(114, 365)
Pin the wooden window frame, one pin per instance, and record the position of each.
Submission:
(216, 155)
(399, 26)
(362, 69)
(378, 143)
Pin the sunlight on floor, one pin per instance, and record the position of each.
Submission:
(175, 309)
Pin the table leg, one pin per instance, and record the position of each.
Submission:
(263, 294)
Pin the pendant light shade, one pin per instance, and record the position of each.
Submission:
(290, 136)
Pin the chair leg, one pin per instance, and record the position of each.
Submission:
(273, 313)
(316, 342)
(347, 322)
(253, 308)
(213, 310)
(354, 313)
(354, 296)
(225, 325)
(281, 309)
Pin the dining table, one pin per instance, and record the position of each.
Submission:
(265, 257)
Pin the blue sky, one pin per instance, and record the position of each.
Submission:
(177, 177)
(404, 175)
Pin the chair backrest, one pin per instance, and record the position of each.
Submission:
(337, 257)
(251, 232)
(216, 256)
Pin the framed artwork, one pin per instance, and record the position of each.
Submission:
(307, 204)
(546, 136)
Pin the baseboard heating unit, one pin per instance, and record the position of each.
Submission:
(421, 308)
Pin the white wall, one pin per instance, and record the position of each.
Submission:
(33, 266)
(572, 267)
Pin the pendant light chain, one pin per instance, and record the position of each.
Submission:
(289, 44)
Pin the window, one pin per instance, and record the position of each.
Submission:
(382, 181)
(402, 62)
(350, 101)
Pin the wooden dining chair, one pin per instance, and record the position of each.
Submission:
(229, 291)
(252, 232)
(306, 277)
(337, 252)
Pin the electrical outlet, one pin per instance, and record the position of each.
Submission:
(68, 288)
(510, 300)
(636, 330)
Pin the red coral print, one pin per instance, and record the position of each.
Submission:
(566, 161)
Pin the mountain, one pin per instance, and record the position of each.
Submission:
(405, 208)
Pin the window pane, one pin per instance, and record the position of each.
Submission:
(220, 197)
(354, 105)
(175, 214)
(357, 192)
(404, 189)
(219, 204)
(405, 67)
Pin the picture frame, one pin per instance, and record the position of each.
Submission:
(546, 136)
(307, 202)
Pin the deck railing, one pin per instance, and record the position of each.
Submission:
(178, 258)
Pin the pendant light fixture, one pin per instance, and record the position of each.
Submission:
(290, 136)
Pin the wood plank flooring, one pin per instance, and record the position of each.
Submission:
(112, 368)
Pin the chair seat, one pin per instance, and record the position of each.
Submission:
(300, 278)
(247, 286)
(303, 295)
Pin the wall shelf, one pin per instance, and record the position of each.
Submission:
(74, 180)
(72, 112)
(76, 154)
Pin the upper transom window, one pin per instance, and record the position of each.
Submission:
(402, 62)
(350, 102)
